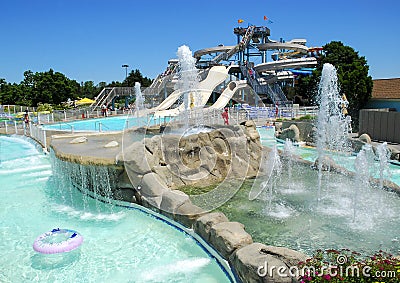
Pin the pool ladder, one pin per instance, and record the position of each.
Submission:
(101, 125)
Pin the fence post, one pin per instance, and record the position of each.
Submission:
(5, 124)
(30, 128)
(44, 139)
(15, 127)
(24, 126)
(100, 127)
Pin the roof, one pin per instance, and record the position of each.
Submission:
(386, 89)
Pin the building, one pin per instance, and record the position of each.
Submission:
(385, 94)
(381, 117)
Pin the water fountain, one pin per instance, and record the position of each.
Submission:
(288, 155)
(383, 156)
(362, 177)
(139, 103)
(187, 79)
(271, 171)
(332, 125)
(323, 209)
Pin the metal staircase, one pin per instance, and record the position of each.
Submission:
(108, 94)
(274, 92)
(238, 47)
(100, 99)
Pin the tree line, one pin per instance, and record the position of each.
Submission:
(55, 88)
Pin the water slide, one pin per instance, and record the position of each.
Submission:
(286, 64)
(294, 44)
(227, 94)
(212, 50)
(215, 76)
(290, 45)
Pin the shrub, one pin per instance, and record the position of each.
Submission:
(44, 107)
(306, 117)
(347, 266)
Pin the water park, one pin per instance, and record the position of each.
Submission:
(212, 175)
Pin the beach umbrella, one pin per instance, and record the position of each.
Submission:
(84, 101)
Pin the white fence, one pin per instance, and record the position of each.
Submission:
(203, 116)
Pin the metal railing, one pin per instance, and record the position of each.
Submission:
(274, 91)
(201, 116)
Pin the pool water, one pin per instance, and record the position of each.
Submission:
(120, 244)
(267, 138)
(292, 212)
(363, 219)
(115, 123)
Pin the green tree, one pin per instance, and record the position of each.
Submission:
(54, 88)
(12, 94)
(352, 70)
(136, 76)
(89, 89)
(50, 87)
(305, 90)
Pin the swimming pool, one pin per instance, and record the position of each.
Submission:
(120, 244)
(115, 123)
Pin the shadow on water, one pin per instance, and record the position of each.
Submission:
(55, 261)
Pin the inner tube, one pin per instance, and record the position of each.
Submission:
(57, 241)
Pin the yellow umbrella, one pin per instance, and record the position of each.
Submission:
(84, 101)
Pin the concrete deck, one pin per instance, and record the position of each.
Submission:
(90, 152)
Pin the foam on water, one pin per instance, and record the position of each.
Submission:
(175, 268)
(85, 215)
(120, 245)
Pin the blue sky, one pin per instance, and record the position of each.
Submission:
(89, 40)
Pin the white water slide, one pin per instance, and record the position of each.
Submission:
(295, 44)
(284, 64)
(227, 94)
(215, 76)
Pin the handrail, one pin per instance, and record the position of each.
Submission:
(275, 93)
(65, 123)
(100, 98)
(238, 47)
(101, 125)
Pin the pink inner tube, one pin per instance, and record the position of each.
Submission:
(57, 241)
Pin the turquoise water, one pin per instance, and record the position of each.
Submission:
(292, 211)
(116, 123)
(310, 154)
(120, 244)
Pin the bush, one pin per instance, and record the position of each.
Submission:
(347, 266)
(44, 107)
(306, 117)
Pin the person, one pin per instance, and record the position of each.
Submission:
(26, 116)
(251, 73)
(225, 116)
(104, 110)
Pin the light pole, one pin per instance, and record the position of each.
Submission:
(126, 70)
